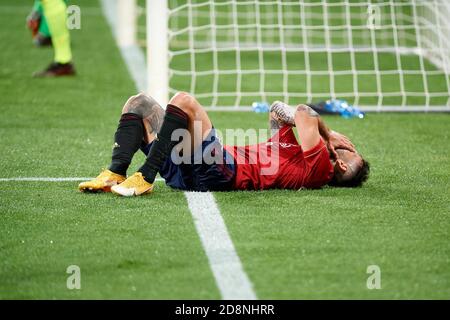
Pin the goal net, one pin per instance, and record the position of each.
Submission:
(378, 55)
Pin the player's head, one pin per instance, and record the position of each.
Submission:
(350, 169)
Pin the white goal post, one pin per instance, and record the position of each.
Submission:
(381, 55)
(158, 49)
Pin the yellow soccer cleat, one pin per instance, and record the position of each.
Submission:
(102, 183)
(133, 186)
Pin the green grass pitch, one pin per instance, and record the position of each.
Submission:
(293, 244)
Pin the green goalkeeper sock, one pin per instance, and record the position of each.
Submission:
(56, 16)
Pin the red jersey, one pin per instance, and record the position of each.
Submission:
(281, 163)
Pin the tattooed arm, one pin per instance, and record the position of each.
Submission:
(309, 127)
(332, 138)
(324, 131)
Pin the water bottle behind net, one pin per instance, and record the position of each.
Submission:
(260, 107)
(343, 108)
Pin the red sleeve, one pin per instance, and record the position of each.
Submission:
(319, 147)
(286, 135)
(319, 168)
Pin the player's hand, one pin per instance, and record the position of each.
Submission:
(33, 22)
(340, 141)
(332, 151)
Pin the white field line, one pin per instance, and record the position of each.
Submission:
(51, 179)
(231, 279)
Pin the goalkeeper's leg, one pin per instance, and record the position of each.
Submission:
(140, 120)
(43, 37)
(56, 17)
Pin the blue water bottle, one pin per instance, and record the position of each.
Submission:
(343, 108)
(260, 107)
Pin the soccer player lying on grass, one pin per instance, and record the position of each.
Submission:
(167, 138)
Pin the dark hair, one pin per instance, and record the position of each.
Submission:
(357, 180)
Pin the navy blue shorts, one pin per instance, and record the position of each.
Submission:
(198, 175)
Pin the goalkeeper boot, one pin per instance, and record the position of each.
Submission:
(56, 69)
(102, 183)
(133, 186)
(283, 113)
